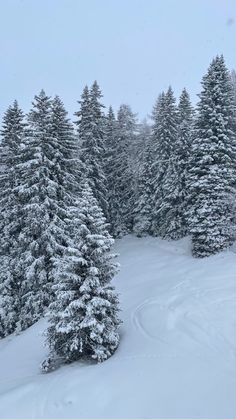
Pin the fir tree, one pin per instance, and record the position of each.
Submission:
(68, 167)
(43, 196)
(37, 197)
(233, 80)
(212, 166)
(123, 203)
(84, 315)
(183, 152)
(144, 199)
(12, 140)
(166, 186)
(92, 142)
(110, 157)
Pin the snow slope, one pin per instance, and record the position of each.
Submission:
(177, 356)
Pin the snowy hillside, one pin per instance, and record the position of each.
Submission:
(176, 359)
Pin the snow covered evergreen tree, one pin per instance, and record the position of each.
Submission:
(143, 210)
(110, 158)
(84, 316)
(37, 199)
(12, 139)
(42, 195)
(122, 173)
(69, 167)
(91, 129)
(143, 182)
(212, 166)
(183, 152)
(233, 80)
(167, 221)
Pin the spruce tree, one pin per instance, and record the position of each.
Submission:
(123, 175)
(183, 153)
(166, 186)
(84, 316)
(212, 166)
(110, 157)
(91, 130)
(37, 196)
(68, 167)
(233, 80)
(12, 139)
(42, 195)
(144, 197)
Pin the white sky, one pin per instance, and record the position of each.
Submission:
(134, 48)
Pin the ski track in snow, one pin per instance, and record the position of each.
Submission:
(176, 359)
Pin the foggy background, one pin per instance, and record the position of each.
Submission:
(134, 48)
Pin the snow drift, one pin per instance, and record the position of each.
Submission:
(176, 359)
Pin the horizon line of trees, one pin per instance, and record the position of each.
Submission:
(65, 191)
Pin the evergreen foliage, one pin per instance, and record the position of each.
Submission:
(84, 315)
(143, 210)
(166, 186)
(91, 130)
(123, 174)
(212, 166)
(183, 154)
(110, 158)
(12, 139)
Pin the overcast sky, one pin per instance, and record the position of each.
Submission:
(134, 48)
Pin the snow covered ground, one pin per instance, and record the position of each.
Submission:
(177, 356)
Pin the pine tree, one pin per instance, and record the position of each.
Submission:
(212, 166)
(110, 158)
(12, 140)
(84, 315)
(183, 152)
(143, 181)
(233, 80)
(91, 129)
(166, 186)
(36, 196)
(144, 198)
(123, 203)
(42, 195)
(68, 166)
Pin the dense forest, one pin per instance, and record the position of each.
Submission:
(67, 190)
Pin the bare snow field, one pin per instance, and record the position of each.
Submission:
(177, 355)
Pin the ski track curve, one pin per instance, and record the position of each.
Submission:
(184, 310)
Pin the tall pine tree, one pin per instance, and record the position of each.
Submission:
(43, 193)
(91, 129)
(110, 158)
(123, 175)
(166, 187)
(12, 141)
(183, 154)
(212, 166)
(143, 182)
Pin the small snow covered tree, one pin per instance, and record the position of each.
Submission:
(12, 139)
(212, 166)
(84, 316)
(91, 130)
